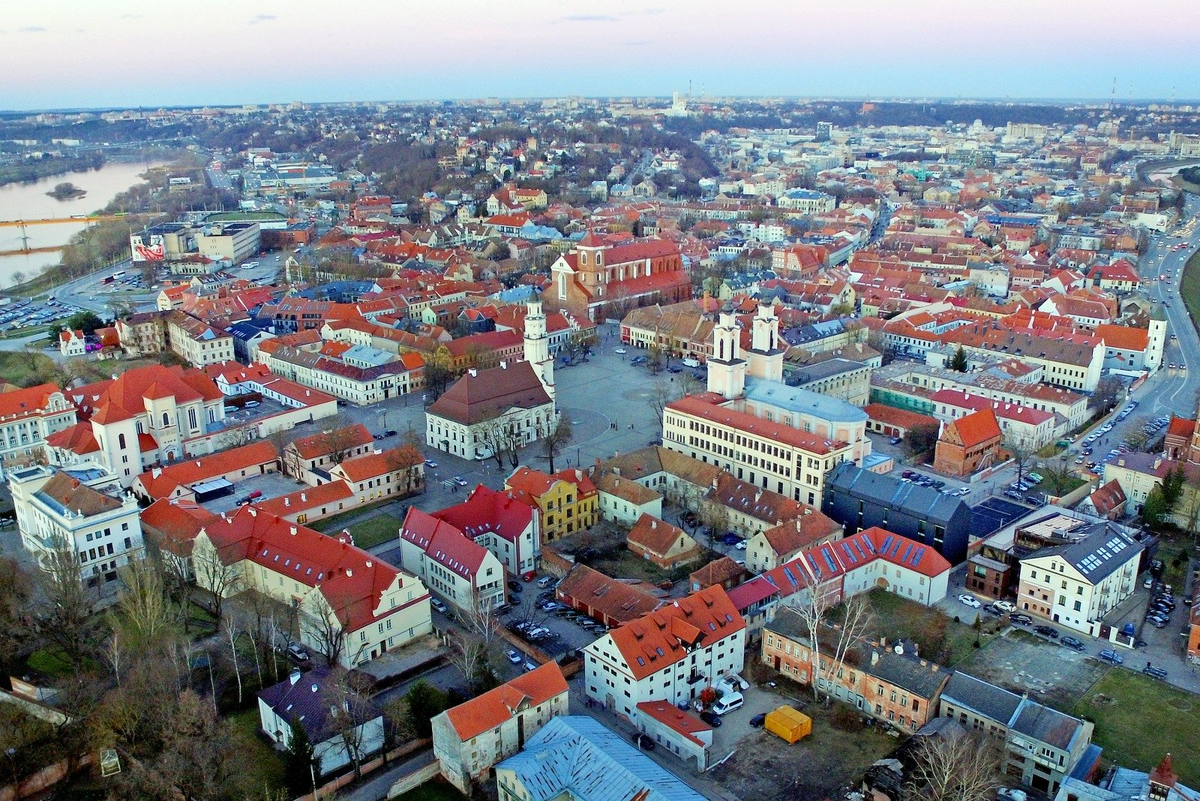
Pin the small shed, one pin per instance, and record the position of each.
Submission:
(789, 723)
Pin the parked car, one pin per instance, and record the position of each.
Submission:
(711, 719)
(1111, 657)
(297, 652)
(514, 656)
(727, 703)
(758, 720)
(431, 463)
(1072, 643)
(531, 664)
(460, 481)
(642, 741)
(438, 605)
(894, 441)
(621, 351)
(1006, 606)
(514, 585)
(969, 600)
(1011, 794)
(1020, 619)
(1155, 672)
(1046, 631)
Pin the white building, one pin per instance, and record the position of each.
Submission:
(1077, 583)
(509, 406)
(27, 418)
(669, 654)
(472, 737)
(56, 511)
(465, 574)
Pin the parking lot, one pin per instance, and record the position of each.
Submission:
(1025, 662)
(271, 485)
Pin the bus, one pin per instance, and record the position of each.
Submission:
(118, 274)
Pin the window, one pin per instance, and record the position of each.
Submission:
(120, 440)
(166, 419)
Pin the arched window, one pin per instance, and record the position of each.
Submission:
(121, 441)
(166, 420)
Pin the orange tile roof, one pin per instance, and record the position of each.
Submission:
(658, 536)
(1123, 337)
(660, 639)
(308, 498)
(371, 465)
(216, 464)
(977, 427)
(490, 710)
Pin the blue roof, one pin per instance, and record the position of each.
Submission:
(803, 401)
(578, 757)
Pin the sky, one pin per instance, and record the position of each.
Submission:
(136, 53)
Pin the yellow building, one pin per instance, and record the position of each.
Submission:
(566, 501)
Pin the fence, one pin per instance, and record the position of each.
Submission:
(333, 786)
(43, 780)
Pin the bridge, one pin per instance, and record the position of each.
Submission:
(85, 219)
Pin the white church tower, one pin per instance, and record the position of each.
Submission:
(765, 357)
(537, 347)
(726, 367)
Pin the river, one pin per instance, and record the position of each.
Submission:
(30, 202)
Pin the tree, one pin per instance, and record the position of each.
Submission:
(16, 622)
(956, 766)
(87, 321)
(326, 630)
(339, 438)
(1022, 452)
(959, 360)
(1059, 475)
(425, 702)
(350, 709)
(144, 610)
(1172, 487)
(299, 760)
(921, 438)
(438, 373)
(213, 575)
(816, 613)
(1109, 391)
(1155, 510)
(65, 617)
(1136, 438)
(557, 438)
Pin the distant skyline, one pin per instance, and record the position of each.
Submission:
(93, 54)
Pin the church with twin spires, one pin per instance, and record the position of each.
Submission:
(749, 422)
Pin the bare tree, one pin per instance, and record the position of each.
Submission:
(818, 613)
(16, 621)
(409, 461)
(1022, 452)
(956, 766)
(557, 438)
(213, 575)
(65, 618)
(1136, 438)
(1059, 474)
(469, 653)
(325, 630)
(339, 438)
(144, 609)
(232, 630)
(351, 709)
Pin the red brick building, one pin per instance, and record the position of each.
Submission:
(599, 280)
(968, 444)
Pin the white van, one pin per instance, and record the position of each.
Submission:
(690, 362)
(545, 582)
(728, 703)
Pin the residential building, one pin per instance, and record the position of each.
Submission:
(1041, 745)
(591, 763)
(395, 473)
(1078, 582)
(500, 523)
(506, 407)
(624, 500)
(317, 703)
(27, 418)
(661, 543)
(860, 499)
(893, 685)
(351, 606)
(565, 502)
(1119, 784)
(469, 739)
(968, 444)
(462, 572)
(58, 512)
(670, 654)
(311, 458)
(72, 343)
(772, 547)
(207, 477)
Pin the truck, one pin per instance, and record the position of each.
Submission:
(788, 723)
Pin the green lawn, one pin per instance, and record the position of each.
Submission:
(52, 662)
(381, 528)
(265, 768)
(938, 637)
(1139, 720)
(17, 366)
(1189, 288)
(436, 790)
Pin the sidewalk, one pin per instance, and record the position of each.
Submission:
(376, 788)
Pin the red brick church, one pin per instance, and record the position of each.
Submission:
(599, 280)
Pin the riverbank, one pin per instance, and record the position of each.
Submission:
(32, 170)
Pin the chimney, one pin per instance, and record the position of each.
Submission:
(503, 365)
(474, 373)
(294, 676)
(293, 528)
(349, 573)
(304, 497)
(874, 657)
(287, 501)
(156, 472)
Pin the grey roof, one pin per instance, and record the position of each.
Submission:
(986, 700)
(906, 671)
(578, 756)
(1046, 725)
(1097, 554)
(921, 501)
(822, 370)
(307, 701)
(803, 401)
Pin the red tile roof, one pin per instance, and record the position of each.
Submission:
(443, 542)
(488, 711)
(488, 510)
(323, 444)
(658, 536)
(673, 718)
(658, 640)
(216, 464)
(373, 465)
(308, 498)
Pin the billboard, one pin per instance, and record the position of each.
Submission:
(143, 252)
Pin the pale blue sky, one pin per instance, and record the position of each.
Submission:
(59, 53)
